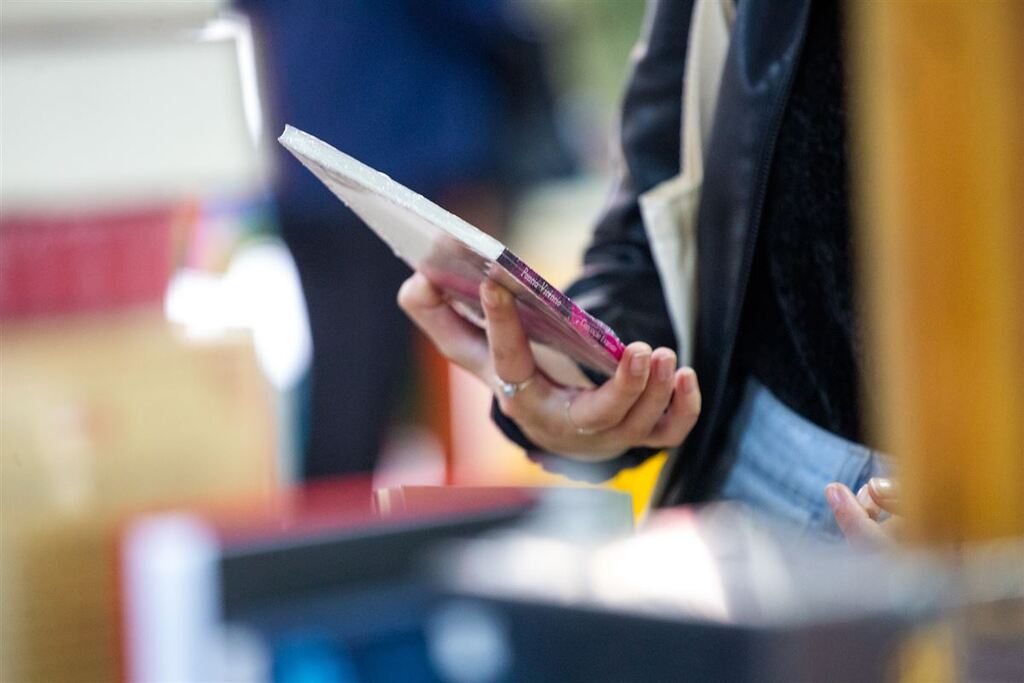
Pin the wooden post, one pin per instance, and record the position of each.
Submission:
(938, 95)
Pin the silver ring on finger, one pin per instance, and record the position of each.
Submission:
(510, 389)
(581, 431)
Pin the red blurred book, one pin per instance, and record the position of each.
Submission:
(402, 500)
(85, 262)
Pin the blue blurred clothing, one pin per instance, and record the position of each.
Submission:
(410, 87)
(441, 95)
(783, 461)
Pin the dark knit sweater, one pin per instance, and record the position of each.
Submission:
(798, 335)
(798, 330)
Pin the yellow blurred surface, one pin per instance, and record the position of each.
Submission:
(941, 184)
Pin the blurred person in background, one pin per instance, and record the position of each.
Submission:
(448, 97)
(778, 349)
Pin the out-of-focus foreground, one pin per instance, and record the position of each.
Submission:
(171, 331)
(156, 345)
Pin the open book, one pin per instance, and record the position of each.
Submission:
(456, 256)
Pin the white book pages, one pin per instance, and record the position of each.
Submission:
(456, 256)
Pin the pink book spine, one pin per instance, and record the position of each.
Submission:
(585, 324)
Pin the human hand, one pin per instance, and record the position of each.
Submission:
(648, 402)
(859, 517)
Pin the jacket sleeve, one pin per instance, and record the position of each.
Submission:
(620, 283)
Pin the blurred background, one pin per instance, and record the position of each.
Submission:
(199, 343)
(188, 315)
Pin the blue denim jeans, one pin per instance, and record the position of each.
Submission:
(782, 463)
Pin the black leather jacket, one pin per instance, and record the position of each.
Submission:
(620, 284)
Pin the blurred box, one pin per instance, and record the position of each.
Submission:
(102, 416)
(120, 103)
(330, 575)
(120, 120)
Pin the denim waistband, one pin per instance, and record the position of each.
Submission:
(782, 462)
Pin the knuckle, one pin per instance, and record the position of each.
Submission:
(673, 435)
(633, 432)
(598, 425)
(502, 354)
(558, 434)
(497, 314)
(540, 437)
(555, 426)
(632, 387)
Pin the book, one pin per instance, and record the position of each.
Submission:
(82, 261)
(456, 256)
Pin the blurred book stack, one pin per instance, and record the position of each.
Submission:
(121, 123)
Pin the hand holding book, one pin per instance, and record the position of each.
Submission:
(456, 257)
(647, 402)
(532, 334)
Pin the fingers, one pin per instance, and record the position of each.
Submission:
(654, 399)
(885, 494)
(869, 505)
(879, 495)
(646, 402)
(457, 339)
(853, 519)
(510, 349)
(606, 406)
(677, 422)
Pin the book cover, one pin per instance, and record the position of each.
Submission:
(456, 256)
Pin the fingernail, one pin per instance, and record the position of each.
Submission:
(689, 382)
(492, 296)
(665, 368)
(638, 365)
(833, 497)
(882, 486)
